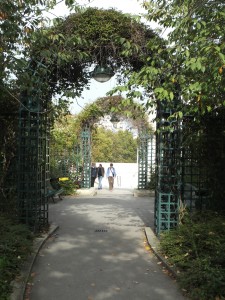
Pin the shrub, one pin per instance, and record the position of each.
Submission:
(15, 245)
(196, 248)
(69, 187)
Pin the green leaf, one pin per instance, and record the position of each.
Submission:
(209, 108)
(180, 114)
(199, 26)
(171, 95)
(222, 56)
(122, 40)
(217, 48)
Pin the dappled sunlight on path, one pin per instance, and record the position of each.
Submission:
(99, 253)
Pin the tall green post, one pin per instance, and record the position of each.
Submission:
(33, 150)
(168, 170)
(33, 165)
(146, 158)
(86, 156)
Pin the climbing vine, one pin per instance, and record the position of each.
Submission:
(115, 106)
(69, 49)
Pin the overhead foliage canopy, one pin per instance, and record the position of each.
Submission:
(18, 21)
(115, 106)
(193, 59)
(68, 50)
(46, 61)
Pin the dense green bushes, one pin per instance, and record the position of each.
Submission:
(15, 245)
(69, 187)
(196, 248)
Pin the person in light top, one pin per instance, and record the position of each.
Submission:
(111, 174)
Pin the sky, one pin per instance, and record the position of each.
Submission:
(98, 90)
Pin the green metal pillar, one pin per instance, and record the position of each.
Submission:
(86, 156)
(33, 166)
(195, 192)
(146, 158)
(168, 172)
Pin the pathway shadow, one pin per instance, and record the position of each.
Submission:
(99, 253)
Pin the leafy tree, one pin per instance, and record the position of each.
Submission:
(186, 74)
(191, 61)
(18, 21)
(196, 64)
(65, 133)
(64, 146)
(125, 147)
(102, 145)
(114, 146)
(65, 156)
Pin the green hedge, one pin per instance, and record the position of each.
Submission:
(15, 245)
(197, 249)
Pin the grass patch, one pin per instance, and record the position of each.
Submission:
(15, 245)
(197, 249)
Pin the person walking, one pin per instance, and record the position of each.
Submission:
(100, 174)
(93, 174)
(111, 174)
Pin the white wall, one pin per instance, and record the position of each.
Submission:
(127, 175)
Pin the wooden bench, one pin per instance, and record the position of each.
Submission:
(53, 189)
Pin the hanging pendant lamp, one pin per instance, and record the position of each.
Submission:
(102, 73)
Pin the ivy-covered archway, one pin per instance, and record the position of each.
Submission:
(60, 60)
(119, 109)
(67, 51)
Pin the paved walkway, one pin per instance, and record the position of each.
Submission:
(99, 252)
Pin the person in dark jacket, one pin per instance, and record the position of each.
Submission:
(100, 174)
(93, 174)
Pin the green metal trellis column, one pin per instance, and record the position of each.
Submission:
(168, 171)
(86, 156)
(33, 165)
(146, 158)
(194, 192)
(33, 149)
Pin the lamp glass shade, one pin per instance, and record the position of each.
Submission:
(102, 74)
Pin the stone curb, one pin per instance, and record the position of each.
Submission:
(154, 243)
(93, 192)
(19, 285)
(143, 193)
